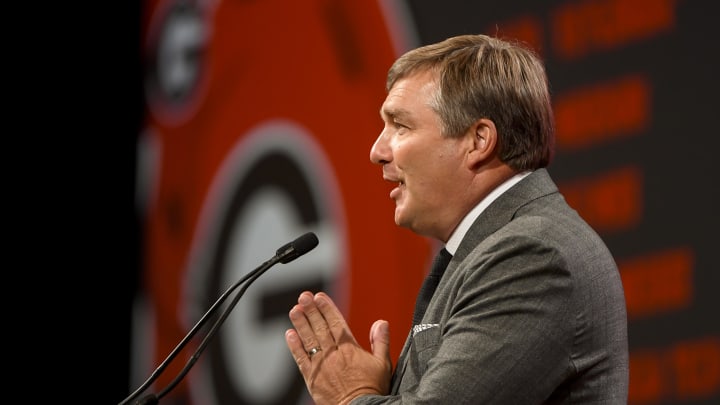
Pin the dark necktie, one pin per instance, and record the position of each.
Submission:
(430, 284)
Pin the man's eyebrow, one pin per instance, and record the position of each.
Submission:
(393, 113)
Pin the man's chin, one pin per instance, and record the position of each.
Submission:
(400, 221)
(398, 218)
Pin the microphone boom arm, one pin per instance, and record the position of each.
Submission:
(285, 254)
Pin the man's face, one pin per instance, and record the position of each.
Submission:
(426, 167)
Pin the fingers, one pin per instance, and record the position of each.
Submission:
(379, 336)
(380, 340)
(341, 368)
(316, 318)
(303, 341)
(297, 350)
(334, 319)
(318, 322)
(303, 328)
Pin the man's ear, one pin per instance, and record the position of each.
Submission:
(484, 136)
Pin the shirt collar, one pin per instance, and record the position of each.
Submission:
(459, 233)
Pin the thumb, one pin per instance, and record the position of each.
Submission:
(380, 340)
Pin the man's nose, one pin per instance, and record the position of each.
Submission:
(380, 151)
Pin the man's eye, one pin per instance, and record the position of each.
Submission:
(399, 125)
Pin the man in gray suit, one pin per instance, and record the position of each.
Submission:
(530, 309)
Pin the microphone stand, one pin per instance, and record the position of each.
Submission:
(285, 254)
(146, 400)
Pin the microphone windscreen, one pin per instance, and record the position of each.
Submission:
(305, 243)
(297, 248)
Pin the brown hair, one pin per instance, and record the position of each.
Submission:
(485, 77)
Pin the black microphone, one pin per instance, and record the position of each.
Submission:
(297, 248)
(285, 254)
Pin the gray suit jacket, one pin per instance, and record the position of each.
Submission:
(530, 310)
